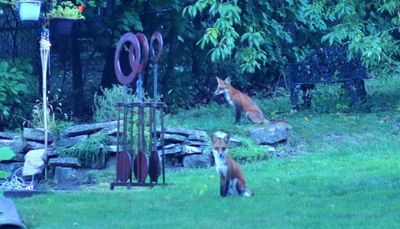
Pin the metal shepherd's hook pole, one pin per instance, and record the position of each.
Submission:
(156, 45)
(44, 55)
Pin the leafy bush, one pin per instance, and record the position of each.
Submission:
(249, 151)
(329, 98)
(14, 91)
(105, 105)
(383, 92)
(105, 108)
(6, 153)
(89, 151)
(275, 107)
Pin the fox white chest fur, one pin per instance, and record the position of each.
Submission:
(220, 163)
(228, 98)
(222, 168)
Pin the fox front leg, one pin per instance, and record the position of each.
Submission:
(224, 186)
(237, 115)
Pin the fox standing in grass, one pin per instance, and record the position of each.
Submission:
(232, 180)
(240, 101)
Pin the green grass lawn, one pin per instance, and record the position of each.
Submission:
(345, 174)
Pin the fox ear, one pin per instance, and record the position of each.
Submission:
(228, 80)
(218, 79)
(214, 137)
(227, 137)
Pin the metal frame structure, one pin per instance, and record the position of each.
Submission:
(139, 159)
(327, 65)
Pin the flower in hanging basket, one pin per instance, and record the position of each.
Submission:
(9, 2)
(6, 2)
(81, 8)
(67, 10)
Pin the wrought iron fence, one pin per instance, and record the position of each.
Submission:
(17, 39)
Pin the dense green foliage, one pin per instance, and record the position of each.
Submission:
(16, 87)
(105, 106)
(369, 28)
(255, 33)
(90, 151)
(6, 153)
(251, 41)
(247, 31)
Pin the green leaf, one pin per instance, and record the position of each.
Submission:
(3, 66)
(6, 153)
(3, 174)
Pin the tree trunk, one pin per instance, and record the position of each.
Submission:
(108, 78)
(77, 79)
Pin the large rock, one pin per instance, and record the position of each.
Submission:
(11, 167)
(197, 161)
(66, 176)
(171, 161)
(17, 145)
(85, 129)
(52, 152)
(177, 149)
(34, 162)
(68, 142)
(196, 143)
(274, 133)
(170, 146)
(176, 138)
(6, 142)
(198, 137)
(8, 135)
(183, 131)
(19, 157)
(112, 131)
(112, 149)
(37, 135)
(31, 145)
(191, 150)
(65, 162)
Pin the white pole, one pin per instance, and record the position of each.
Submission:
(44, 54)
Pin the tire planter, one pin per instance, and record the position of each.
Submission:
(61, 26)
(9, 217)
(29, 10)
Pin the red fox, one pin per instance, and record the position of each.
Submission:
(232, 180)
(240, 101)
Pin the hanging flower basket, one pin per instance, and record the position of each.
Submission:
(61, 26)
(29, 9)
(63, 16)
